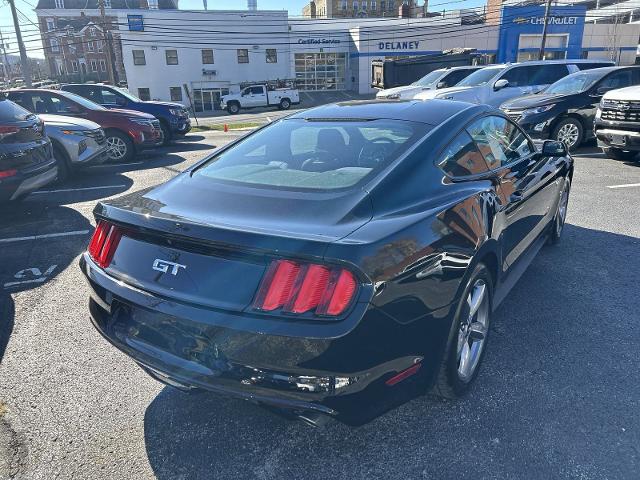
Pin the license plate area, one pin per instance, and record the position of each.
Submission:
(617, 139)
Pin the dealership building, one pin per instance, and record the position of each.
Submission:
(212, 52)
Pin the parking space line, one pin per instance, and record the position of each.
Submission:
(627, 185)
(47, 235)
(78, 189)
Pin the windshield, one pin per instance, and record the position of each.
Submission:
(88, 104)
(127, 94)
(428, 79)
(480, 77)
(574, 83)
(318, 155)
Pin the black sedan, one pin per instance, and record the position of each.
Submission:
(334, 263)
(26, 158)
(566, 109)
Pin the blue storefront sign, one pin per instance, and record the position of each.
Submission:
(136, 23)
(516, 21)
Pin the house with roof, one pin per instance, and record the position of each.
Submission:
(75, 36)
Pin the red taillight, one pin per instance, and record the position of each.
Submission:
(298, 288)
(7, 130)
(104, 243)
(7, 173)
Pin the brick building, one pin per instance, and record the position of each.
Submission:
(74, 36)
(363, 8)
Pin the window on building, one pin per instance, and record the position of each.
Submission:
(207, 56)
(103, 65)
(59, 3)
(392, 5)
(107, 3)
(55, 46)
(383, 5)
(99, 45)
(74, 66)
(144, 94)
(138, 57)
(171, 56)
(364, 4)
(344, 4)
(243, 55)
(176, 94)
(94, 65)
(92, 32)
(51, 24)
(373, 5)
(90, 46)
(355, 4)
(272, 55)
(153, 4)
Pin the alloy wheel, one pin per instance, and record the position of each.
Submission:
(116, 147)
(568, 134)
(473, 330)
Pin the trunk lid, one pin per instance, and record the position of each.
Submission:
(210, 243)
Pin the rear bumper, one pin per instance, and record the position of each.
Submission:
(12, 188)
(342, 376)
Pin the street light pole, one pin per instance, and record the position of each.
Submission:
(24, 60)
(547, 9)
(109, 45)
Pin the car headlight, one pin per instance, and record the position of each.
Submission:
(537, 110)
(176, 111)
(392, 96)
(142, 121)
(73, 132)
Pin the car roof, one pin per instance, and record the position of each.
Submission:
(430, 112)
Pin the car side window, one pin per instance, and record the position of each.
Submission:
(616, 80)
(94, 94)
(461, 158)
(548, 74)
(499, 140)
(108, 97)
(520, 76)
(256, 90)
(454, 77)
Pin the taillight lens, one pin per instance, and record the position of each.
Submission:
(104, 243)
(8, 173)
(302, 287)
(6, 130)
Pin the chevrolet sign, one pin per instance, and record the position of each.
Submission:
(555, 20)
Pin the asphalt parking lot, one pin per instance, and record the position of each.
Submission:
(557, 397)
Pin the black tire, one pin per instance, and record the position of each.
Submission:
(62, 162)
(450, 383)
(166, 133)
(129, 150)
(618, 154)
(560, 132)
(285, 104)
(557, 224)
(233, 108)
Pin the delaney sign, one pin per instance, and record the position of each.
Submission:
(404, 45)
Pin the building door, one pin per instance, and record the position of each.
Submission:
(555, 47)
(207, 100)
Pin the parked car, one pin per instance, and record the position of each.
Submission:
(174, 117)
(260, 96)
(127, 131)
(565, 110)
(336, 262)
(26, 160)
(495, 84)
(617, 122)
(76, 142)
(440, 78)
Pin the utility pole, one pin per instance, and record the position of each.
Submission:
(111, 68)
(26, 66)
(5, 64)
(547, 9)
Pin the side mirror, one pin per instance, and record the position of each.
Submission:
(602, 90)
(552, 148)
(442, 85)
(500, 84)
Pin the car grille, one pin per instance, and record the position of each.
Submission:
(620, 110)
(97, 134)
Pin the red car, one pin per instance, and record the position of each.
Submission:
(127, 131)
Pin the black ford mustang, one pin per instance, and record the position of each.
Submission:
(334, 263)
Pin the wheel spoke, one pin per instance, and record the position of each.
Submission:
(465, 360)
(477, 331)
(475, 298)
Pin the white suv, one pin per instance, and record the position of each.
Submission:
(495, 84)
(440, 78)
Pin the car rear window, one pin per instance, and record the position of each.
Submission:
(314, 154)
(11, 112)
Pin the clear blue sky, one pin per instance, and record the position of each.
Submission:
(294, 7)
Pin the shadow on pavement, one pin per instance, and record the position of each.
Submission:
(555, 394)
(7, 314)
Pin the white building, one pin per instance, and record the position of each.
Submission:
(212, 52)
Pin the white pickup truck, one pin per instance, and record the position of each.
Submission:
(260, 96)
